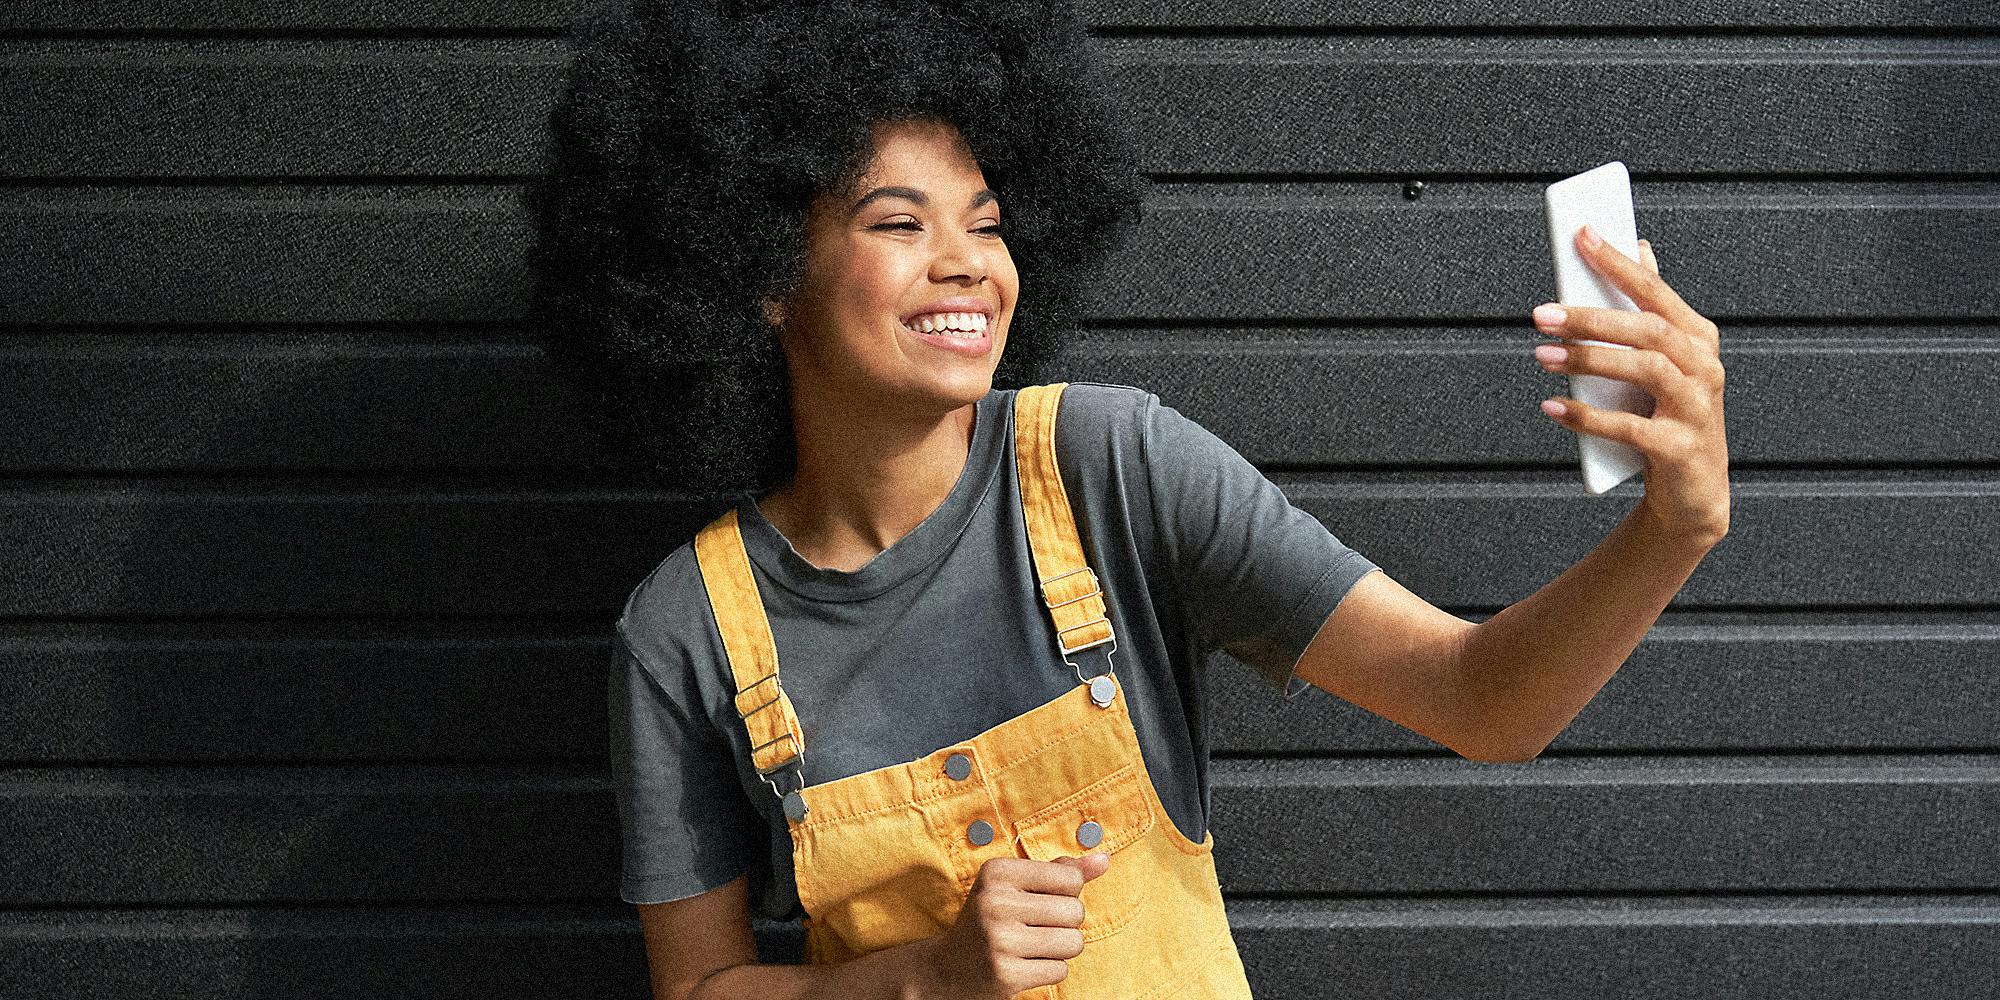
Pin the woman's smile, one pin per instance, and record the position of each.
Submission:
(971, 345)
(964, 333)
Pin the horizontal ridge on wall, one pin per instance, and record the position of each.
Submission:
(1370, 104)
(1792, 823)
(1151, 14)
(369, 402)
(1766, 946)
(417, 254)
(370, 692)
(165, 550)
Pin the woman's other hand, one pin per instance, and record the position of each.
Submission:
(1018, 929)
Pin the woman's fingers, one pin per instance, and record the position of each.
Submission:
(1642, 330)
(1639, 283)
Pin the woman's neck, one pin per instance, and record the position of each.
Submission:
(865, 479)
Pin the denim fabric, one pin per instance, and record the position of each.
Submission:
(886, 856)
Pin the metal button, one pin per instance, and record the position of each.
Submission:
(959, 766)
(1089, 834)
(980, 832)
(1101, 691)
(795, 806)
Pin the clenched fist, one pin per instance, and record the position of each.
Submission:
(1017, 930)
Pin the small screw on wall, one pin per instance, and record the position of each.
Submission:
(1412, 190)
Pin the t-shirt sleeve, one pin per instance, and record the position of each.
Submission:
(1258, 576)
(685, 825)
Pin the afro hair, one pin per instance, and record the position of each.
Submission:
(688, 145)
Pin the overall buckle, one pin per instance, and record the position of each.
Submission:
(794, 801)
(1094, 591)
(1102, 690)
(775, 683)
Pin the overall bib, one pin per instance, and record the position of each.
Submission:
(889, 855)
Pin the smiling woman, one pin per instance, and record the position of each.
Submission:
(817, 255)
(881, 333)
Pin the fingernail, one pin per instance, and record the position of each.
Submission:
(1590, 238)
(1549, 314)
(1551, 354)
(1552, 408)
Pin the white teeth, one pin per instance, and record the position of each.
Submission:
(965, 325)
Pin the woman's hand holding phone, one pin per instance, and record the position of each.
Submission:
(1658, 344)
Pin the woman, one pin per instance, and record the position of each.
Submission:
(933, 682)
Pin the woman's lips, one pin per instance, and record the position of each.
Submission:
(971, 347)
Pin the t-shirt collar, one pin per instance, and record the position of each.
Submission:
(774, 554)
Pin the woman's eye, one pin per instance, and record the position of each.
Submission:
(907, 224)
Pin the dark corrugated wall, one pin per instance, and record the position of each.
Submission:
(308, 582)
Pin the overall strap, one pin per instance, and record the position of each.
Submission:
(775, 737)
(1068, 585)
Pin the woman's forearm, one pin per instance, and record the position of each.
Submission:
(895, 973)
(1533, 666)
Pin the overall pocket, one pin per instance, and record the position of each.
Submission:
(1119, 806)
(875, 881)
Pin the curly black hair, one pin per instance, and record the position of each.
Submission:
(688, 145)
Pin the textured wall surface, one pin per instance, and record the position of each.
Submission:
(303, 627)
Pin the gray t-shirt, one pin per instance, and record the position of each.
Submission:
(942, 636)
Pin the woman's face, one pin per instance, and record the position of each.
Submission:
(915, 242)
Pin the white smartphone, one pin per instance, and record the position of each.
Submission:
(1602, 198)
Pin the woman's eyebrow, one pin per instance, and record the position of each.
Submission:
(912, 194)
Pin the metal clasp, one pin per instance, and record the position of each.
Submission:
(1100, 695)
(763, 774)
(798, 752)
(1064, 576)
(793, 802)
(775, 683)
(1094, 591)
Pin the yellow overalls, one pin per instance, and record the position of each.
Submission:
(889, 855)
